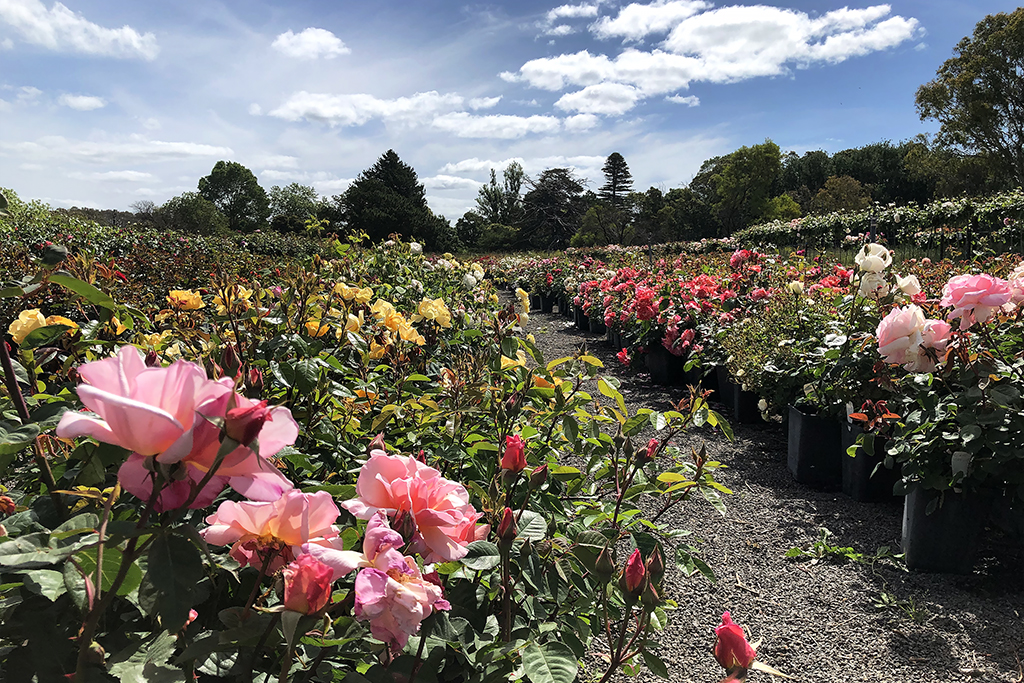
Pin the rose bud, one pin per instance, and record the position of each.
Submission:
(649, 597)
(404, 524)
(422, 456)
(656, 566)
(152, 359)
(631, 581)
(652, 450)
(507, 528)
(538, 476)
(307, 585)
(6, 505)
(514, 458)
(604, 568)
(255, 380)
(377, 444)
(732, 650)
(229, 360)
(244, 424)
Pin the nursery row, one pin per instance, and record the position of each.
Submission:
(892, 377)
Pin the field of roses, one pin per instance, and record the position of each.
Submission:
(922, 360)
(347, 466)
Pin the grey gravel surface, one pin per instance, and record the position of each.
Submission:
(825, 621)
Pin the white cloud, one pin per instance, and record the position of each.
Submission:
(276, 161)
(530, 165)
(581, 122)
(484, 102)
(475, 165)
(82, 102)
(60, 29)
(5, 105)
(312, 43)
(502, 126)
(151, 123)
(128, 176)
(28, 94)
(322, 181)
(450, 182)
(255, 109)
(603, 98)
(582, 10)
(689, 100)
(357, 109)
(6, 44)
(133, 150)
(722, 45)
(636, 21)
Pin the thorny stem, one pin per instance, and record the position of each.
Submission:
(102, 533)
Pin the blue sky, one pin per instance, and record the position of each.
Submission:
(106, 102)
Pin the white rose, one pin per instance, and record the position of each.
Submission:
(796, 287)
(873, 286)
(873, 258)
(468, 281)
(762, 405)
(909, 285)
(415, 248)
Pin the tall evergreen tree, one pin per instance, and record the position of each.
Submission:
(618, 181)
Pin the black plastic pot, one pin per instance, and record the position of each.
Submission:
(665, 368)
(946, 541)
(815, 451)
(615, 338)
(582, 321)
(744, 406)
(535, 302)
(597, 325)
(1008, 516)
(725, 386)
(547, 303)
(865, 478)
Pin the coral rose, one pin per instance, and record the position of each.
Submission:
(307, 585)
(445, 520)
(974, 298)
(276, 530)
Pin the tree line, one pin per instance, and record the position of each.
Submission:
(977, 97)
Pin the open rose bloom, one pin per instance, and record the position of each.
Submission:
(906, 338)
(161, 413)
(445, 520)
(975, 298)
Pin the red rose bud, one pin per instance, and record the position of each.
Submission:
(244, 424)
(422, 456)
(152, 359)
(732, 650)
(6, 505)
(514, 458)
(652, 450)
(229, 360)
(507, 528)
(632, 580)
(307, 585)
(656, 566)
(255, 379)
(538, 476)
(377, 444)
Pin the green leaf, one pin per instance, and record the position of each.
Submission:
(570, 427)
(84, 289)
(42, 336)
(655, 664)
(46, 582)
(174, 568)
(480, 556)
(29, 552)
(146, 661)
(15, 440)
(605, 386)
(112, 558)
(549, 663)
(532, 526)
(565, 473)
(589, 545)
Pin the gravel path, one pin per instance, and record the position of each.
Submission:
(826, 621)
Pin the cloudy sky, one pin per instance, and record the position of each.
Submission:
(106, 102)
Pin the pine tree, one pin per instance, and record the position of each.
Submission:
(618, 181)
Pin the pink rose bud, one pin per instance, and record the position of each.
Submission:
(732, 650)
(632, 580)
(507, 528)
(307, 585)
(229, 360)
(538, 476)
(244, 424)
(514, 458)
(255, 379)
(652, 450)
(377, 444)
(6, 505)
(422, 456)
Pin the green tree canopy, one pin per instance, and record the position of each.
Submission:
(234, 190)
(841, 193)
(190, 212)
(502, 202)
(978, 94)
(388, 198)
(618, 181)
(744, 183)
(291, 205)
(554, 208)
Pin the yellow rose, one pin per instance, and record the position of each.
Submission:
(315, 329)
(408, 333)
(27, 321)
(61, 320)
(184, 300)
(354, 322)
(363, 295)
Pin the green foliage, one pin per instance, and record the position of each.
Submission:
(841, 193)
(618, 181)
(743, 184)
(191, 212)
(554, 209)
(977, 95)
(291, 206)
(234, 190)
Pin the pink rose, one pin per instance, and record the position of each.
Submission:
(934, 338)
(395, 600)
(899, 334)
(632, 579)
(150, 411)
(445, 520)
(732, 650)
(277, 529)
(974, 298)
(379, 541)
(307, 585)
